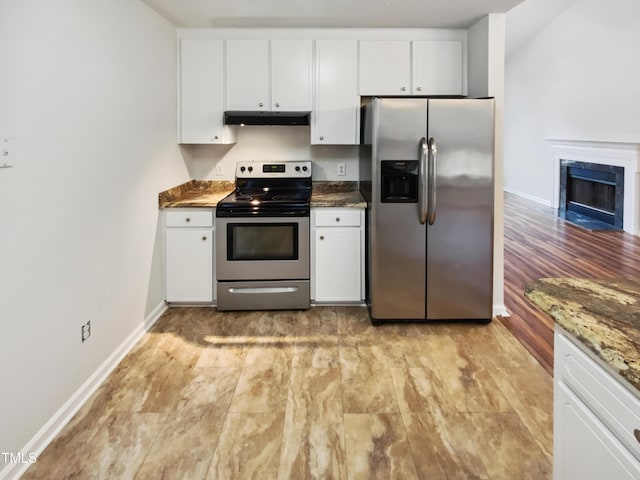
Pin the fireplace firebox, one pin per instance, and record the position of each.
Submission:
(592, 194)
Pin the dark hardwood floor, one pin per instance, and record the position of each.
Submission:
(539, 244)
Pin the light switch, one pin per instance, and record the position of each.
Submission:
(7, 152)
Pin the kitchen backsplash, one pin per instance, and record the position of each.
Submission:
(266, 143)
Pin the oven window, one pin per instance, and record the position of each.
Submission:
(263, 241)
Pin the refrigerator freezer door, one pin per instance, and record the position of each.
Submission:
(460, 241)
(398, 240)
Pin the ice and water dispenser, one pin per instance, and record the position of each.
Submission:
(400, 180)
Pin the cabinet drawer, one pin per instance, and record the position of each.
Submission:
(606, 396)
(584, 448)
(337, 217)
(188, 218)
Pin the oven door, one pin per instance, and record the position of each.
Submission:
(262, 248)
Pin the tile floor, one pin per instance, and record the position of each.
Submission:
(312, 394)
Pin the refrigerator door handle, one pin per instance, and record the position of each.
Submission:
(433, 160)
(422, 194)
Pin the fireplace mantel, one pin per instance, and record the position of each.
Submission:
(620, 154)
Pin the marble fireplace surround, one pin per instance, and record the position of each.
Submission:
(619, 154)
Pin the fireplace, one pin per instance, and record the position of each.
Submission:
(625, 202)
(592, 194)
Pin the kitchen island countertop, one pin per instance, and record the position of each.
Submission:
(602, 314)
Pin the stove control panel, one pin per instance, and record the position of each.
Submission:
(290, 169)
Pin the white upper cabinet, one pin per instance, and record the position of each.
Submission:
(325, 76)
(425, 67)
(269, 75)
(291, 75)
(201, 92)
(437, 67)
(247, 75)
(335, 114)
(385, 67)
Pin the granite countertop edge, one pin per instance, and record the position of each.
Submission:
(195, 194)
(337, 194)
(602, 314)
(207, 194)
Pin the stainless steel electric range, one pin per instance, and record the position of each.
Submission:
(262, 238)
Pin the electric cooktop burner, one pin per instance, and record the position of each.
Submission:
(269, 189)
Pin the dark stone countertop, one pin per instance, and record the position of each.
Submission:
(602, 314)
(337, 194)
(207, 194)
(195, 194)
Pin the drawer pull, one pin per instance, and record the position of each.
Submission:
(337, 219)
(204, 238)
(322, 238)
(187, 220)
(636, 433)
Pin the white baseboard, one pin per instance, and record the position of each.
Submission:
(546, 203)
(57, 422)
(500, 310)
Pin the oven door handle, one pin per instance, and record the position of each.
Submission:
(259, 290)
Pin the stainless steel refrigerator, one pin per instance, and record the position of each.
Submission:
(427, 173)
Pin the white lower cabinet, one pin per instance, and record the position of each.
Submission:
(337, 255)
(596, 419)
(189, 272)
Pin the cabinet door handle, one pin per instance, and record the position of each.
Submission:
(216, 137)
(187, 220)
(636, 433)
(261, 104)
(403, 88)
(204, 238)
(277, 104)
(337, 219)
(321, 138)
(322, 238)
(419, 89)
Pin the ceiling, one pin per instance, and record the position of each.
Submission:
(328, 13)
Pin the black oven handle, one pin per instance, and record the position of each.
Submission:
(242, 213)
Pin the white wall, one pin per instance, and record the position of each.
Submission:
(270, 143)
(486, 79)
(478, 59)
(88, 89)
(576, 79)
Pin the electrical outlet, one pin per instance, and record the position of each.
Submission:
(219, 170)
(7, 152)
(342, 169)
(86, 331)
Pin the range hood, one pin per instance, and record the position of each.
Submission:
(266, 118)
